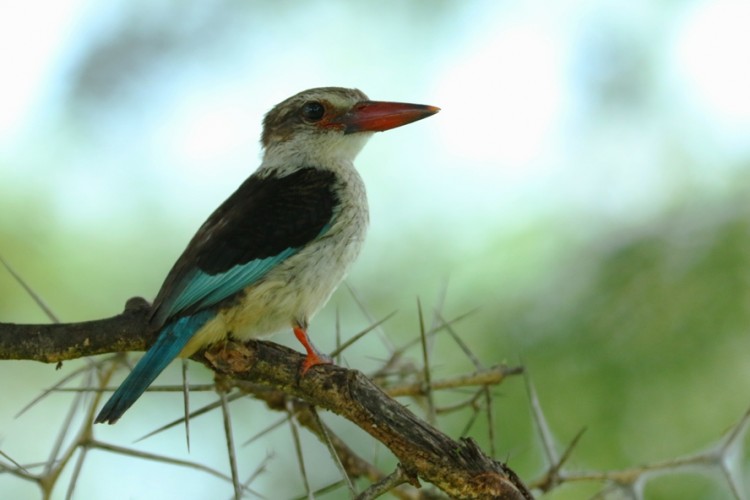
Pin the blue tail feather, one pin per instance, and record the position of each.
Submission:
(171, 341)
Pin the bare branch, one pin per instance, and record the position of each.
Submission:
(51, 343)
(459, 468)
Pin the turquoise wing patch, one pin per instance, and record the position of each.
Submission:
(204, 290)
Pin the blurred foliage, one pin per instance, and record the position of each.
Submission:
(637, 333)
(622, 284)
(641, 337)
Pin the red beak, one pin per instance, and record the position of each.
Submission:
(376, 116)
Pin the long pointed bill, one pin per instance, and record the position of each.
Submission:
(376, 116)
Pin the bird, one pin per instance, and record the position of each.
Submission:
(271, 255)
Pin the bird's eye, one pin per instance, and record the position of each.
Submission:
(313, 111)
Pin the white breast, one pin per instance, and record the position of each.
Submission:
(295, 290)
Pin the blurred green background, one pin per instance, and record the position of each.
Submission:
(585, 188)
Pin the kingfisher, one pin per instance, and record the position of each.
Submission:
(273, 253)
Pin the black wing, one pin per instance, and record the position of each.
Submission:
(264, 222)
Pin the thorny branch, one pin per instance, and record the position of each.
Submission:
(458, 468)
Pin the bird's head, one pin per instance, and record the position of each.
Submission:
(333, 122)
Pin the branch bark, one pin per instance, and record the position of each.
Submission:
(459, 468)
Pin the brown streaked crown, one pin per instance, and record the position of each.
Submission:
(289, 117)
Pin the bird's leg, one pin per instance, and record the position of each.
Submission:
(314, 357)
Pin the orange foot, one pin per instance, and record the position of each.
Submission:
(314, 357)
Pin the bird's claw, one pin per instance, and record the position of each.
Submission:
(313, 359)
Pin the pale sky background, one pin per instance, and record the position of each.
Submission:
(586, 115)
(512, 78)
